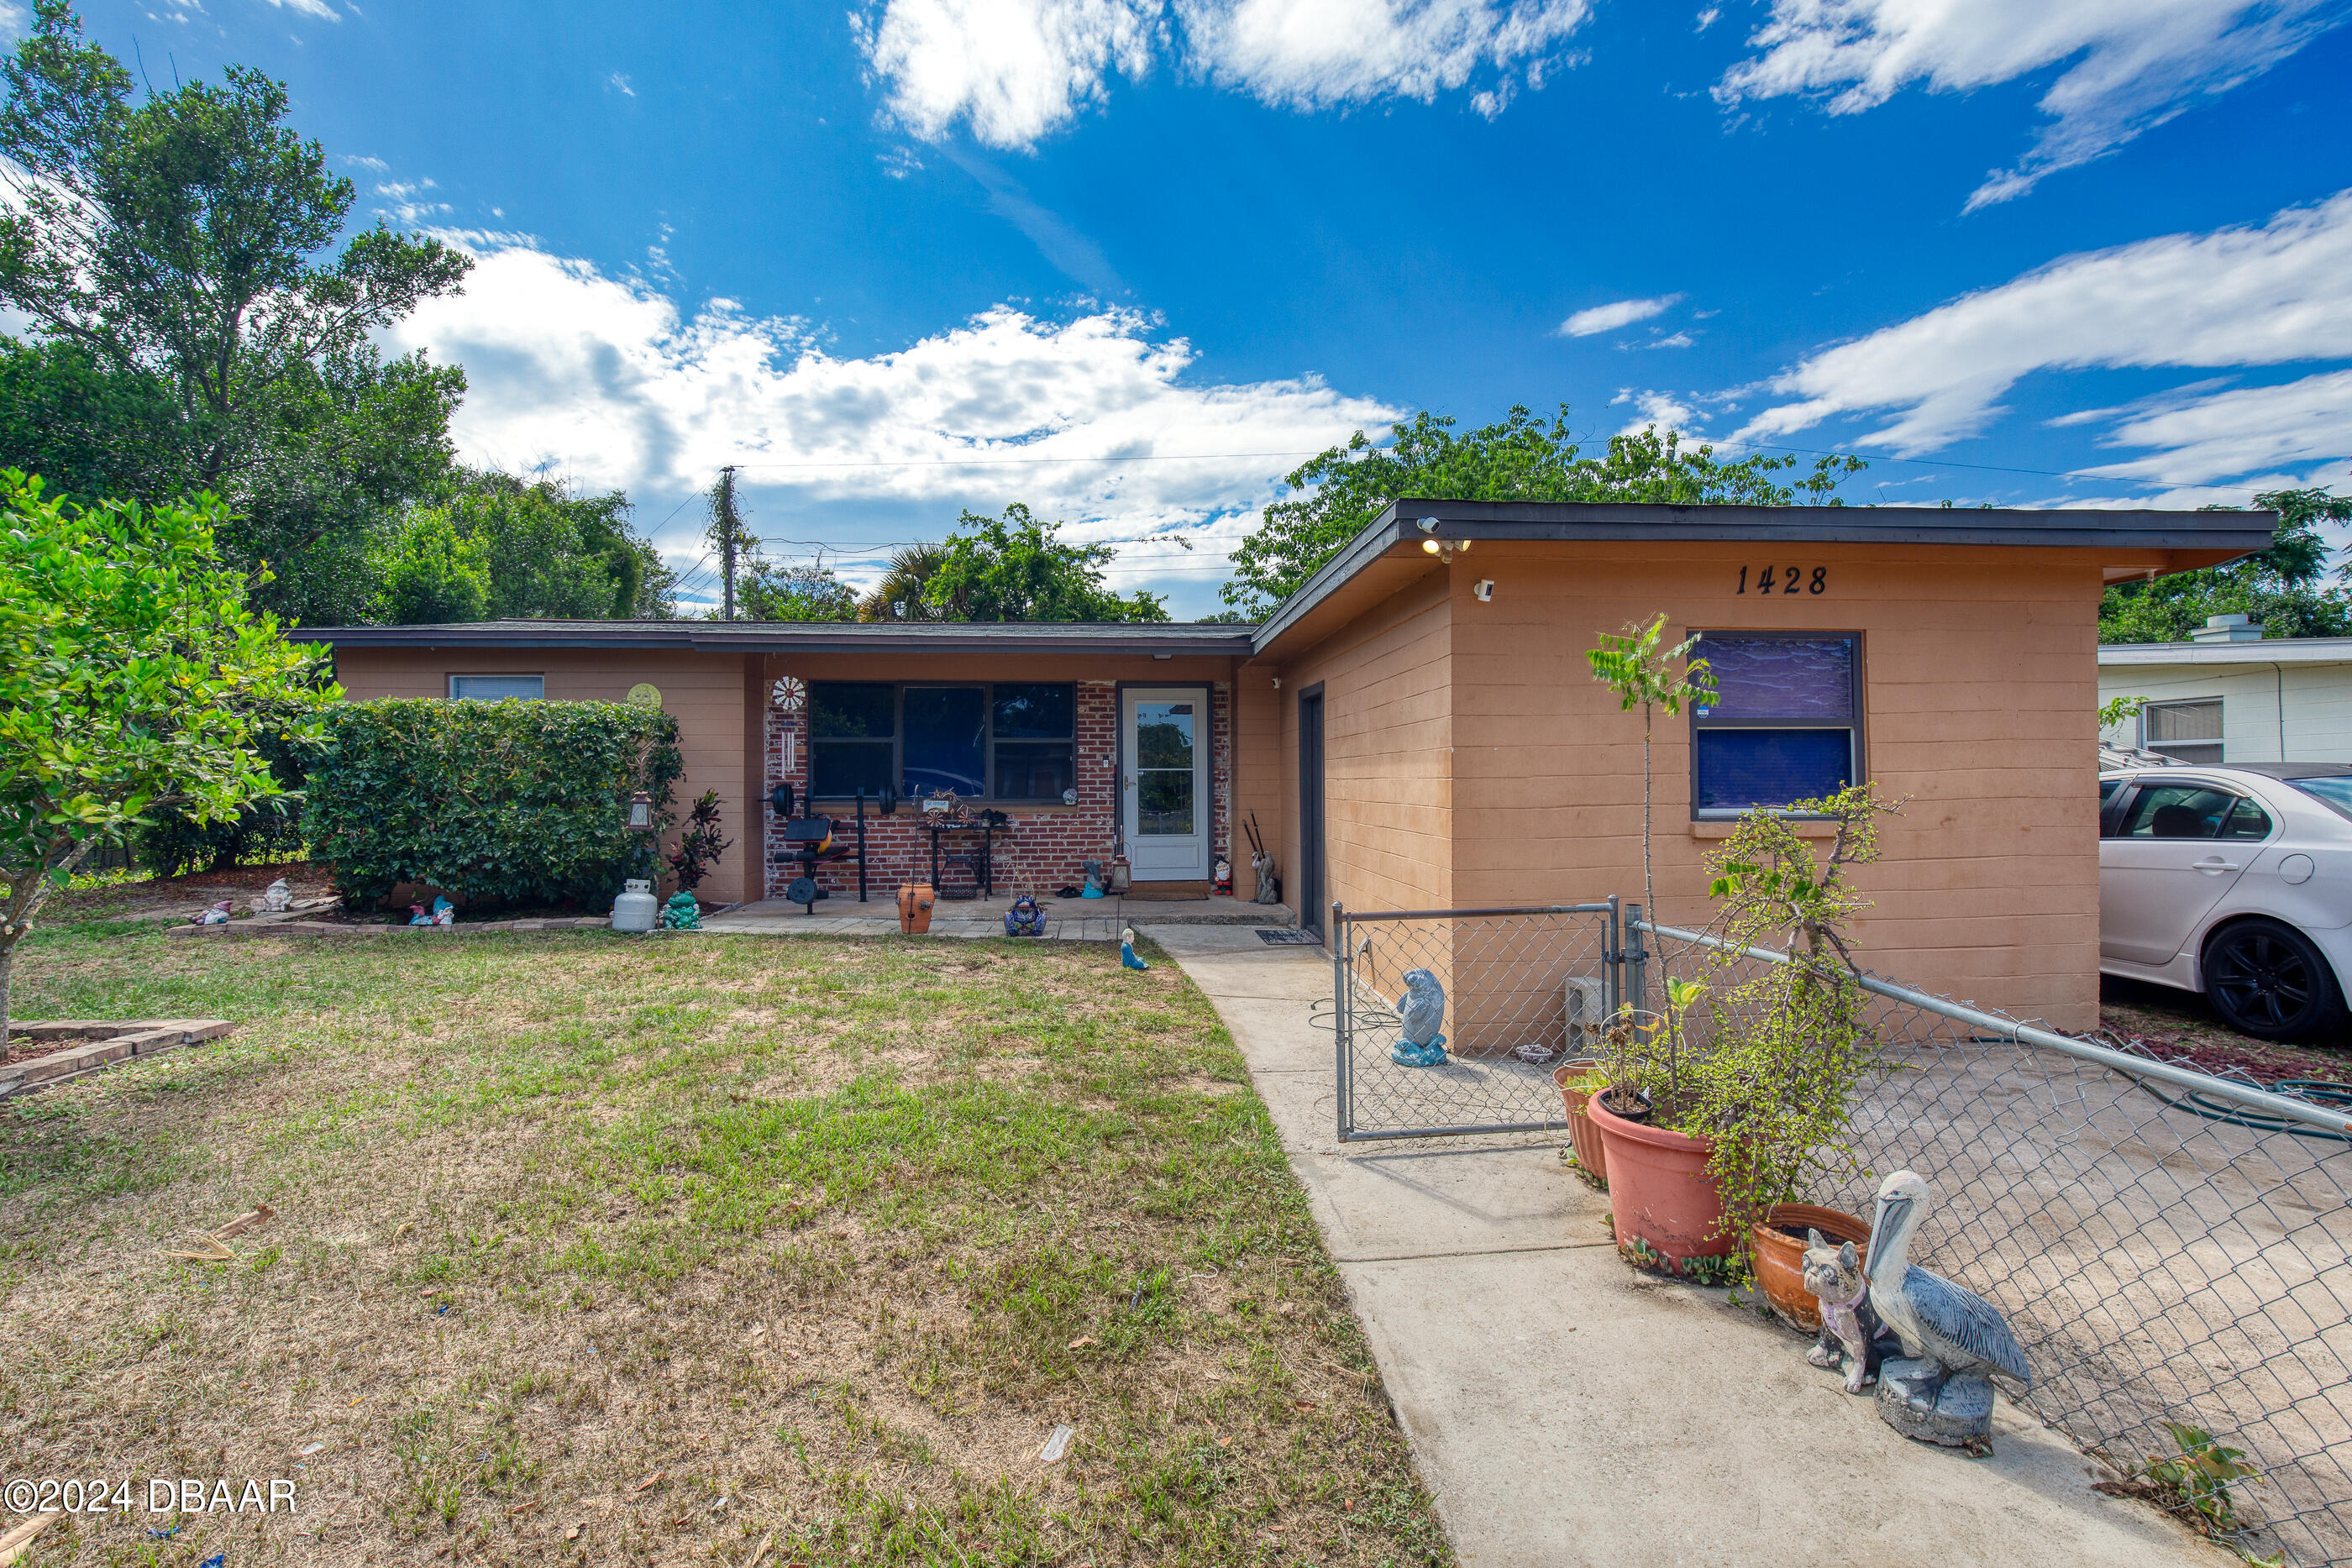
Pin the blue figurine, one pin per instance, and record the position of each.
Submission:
(1024, 918)
(1940, 1391)
(1127, 958)
(1421, 1014)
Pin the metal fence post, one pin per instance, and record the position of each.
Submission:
(1612, 962)
(1341, 959)
(1637, 959)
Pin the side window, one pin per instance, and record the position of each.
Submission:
(2177, 812)
(2247, 820)
(2107, 820)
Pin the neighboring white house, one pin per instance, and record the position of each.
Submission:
(2230, 694)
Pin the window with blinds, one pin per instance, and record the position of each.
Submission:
(2188, 731)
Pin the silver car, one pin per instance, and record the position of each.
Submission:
(2235, 882)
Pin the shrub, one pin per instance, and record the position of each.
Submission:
(504, 803)
(268, 829)
(701, 845)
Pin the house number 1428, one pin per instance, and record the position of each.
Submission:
(1786, 579)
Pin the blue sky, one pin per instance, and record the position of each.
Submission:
(928, 253)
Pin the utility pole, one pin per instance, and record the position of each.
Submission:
(728, 529)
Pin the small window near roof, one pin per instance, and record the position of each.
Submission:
(2189, 731)
(496, 688)
(1785, 724)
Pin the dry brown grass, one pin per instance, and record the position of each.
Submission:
(828, 1236)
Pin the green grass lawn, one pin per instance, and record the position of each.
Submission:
(592, 1249)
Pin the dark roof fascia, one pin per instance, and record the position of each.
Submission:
(810, 637)
(1570, 522)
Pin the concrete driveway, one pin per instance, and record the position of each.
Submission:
(1565, 1409)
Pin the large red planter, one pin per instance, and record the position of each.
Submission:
(1659, 1191)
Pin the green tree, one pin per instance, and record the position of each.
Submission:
(134, 678)
(1519, 458)
(903, 592)
(2283, 588)
(771, 590)
(188, 241)
(432, 574)
(1015, 567)
(1646, 676)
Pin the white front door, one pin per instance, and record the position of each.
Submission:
(1164, 742)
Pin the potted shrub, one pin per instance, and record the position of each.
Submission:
(1665, 1201)
(1791, 1046)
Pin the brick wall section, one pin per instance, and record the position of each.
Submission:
(1046, 846)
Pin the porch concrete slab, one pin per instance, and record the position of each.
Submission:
(832, 914)
(1565, 1409)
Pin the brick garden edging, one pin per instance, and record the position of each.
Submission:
(117, 1041)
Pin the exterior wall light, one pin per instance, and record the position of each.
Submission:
(1483, 590)
(641, 812)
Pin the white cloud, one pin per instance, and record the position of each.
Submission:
(2243, 431)
(357, 161)
(2267, 295)
(1662, 410)
(318, 8)
(606, 380)
(1014, 71)
(2131, 64)
(1321, 54)
(1620, 313)
(620, 84)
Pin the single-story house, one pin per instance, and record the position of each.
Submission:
(1417, 726)
(2230, 694)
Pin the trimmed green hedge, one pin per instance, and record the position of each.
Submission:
(499, 802)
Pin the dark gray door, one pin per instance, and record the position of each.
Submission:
(1307, 898)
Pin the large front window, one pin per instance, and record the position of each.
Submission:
(1012, 741)
(1785, 723)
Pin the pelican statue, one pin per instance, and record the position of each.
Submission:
(1953, 1339)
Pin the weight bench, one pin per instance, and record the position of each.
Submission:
(809, 841)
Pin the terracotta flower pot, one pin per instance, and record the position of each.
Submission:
(1659, 1191)
(1582, 1135)
(1777, 1246)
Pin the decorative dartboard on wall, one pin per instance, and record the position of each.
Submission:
(789, 695)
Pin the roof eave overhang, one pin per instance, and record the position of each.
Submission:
(810, 639)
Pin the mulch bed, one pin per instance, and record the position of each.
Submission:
(2176, 1027)
(50, 1053)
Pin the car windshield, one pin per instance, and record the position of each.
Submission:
(2333, 793)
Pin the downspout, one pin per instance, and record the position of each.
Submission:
(2278, 674)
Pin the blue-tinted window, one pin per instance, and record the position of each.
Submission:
(1738, 769)
(1806, 678)
(945, 740)
(1036, 711)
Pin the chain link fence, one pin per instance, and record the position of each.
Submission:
(2167, 1245)
(1525, 990)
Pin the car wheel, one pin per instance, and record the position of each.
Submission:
(2267, 981)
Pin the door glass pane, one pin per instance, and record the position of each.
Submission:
(1163, 734)
(943, 740)
(2248, 821)
(1780, 677)
(1164, 803)
(1742, 767)
(2177, 812)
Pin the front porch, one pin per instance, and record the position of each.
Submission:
(1066, 919)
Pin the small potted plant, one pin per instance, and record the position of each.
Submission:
(1663, 1198)
(1579, 1079)
(1793, 1045)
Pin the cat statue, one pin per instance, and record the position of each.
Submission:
(1851, 1335)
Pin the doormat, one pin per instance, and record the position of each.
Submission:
(1275, 938)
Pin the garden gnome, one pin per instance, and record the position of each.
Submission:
(444, 912)
(1421, 1014)
(1127, 958)
(276, 897)
(418, 916)
(216, 915)
(1940, 1389)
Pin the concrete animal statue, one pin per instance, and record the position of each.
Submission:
(681, 913)
(1269, 886)
(1024, 918)
(1851, 1335)
(1953, 1339)
(1127, 958)
(1420, 1018)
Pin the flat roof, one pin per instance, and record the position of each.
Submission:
(1216, 639)
(2224, 535)
(2254, 651)
(2234, 533)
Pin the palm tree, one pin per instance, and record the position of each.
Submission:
(900, 595)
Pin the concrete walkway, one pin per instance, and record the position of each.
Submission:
(1565, 1409)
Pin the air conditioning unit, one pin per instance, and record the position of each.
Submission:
(1585, 1003)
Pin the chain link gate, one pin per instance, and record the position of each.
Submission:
(1525, 989)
